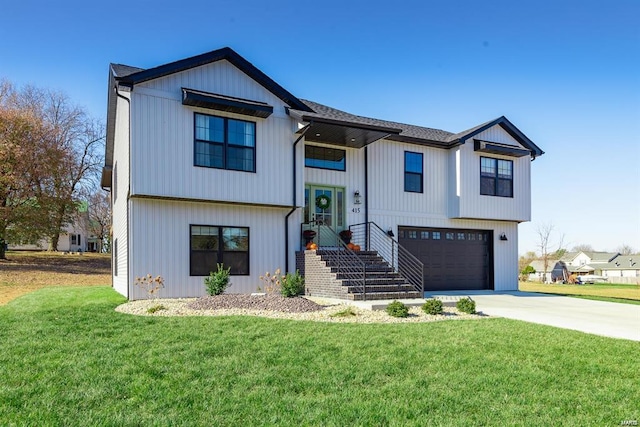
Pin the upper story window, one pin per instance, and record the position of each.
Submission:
(496, 177)
(225, 143)
(324, 158)
(412, 172)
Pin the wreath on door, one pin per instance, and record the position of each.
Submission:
(323, 202)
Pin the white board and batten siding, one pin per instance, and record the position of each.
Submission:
(163, 141)
(160, 242)
(119, 197)
(465, 198)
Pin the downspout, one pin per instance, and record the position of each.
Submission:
(294, 206)
(366, 194)
(115, 88)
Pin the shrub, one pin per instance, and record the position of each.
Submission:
(397, 309)
(150, 284)
(155, 308)
(272, 282)
(292, 285)
(217, 281)
(432, 306)
(347, 312)
(466, 305)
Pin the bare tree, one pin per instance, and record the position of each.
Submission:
(100, 218)
(625, 249)
(74, 147)
(583, 248)
(546, 242)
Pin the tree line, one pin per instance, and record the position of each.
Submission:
(51, 153)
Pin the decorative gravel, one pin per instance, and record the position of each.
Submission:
(278, 307)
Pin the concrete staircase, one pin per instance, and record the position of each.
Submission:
(327, 274)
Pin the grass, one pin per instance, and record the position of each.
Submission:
(24, 272)
(629, 294)
(68, 359)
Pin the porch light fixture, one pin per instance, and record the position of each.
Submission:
(356, 197)
(503, 237)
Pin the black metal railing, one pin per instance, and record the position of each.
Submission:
(371, 237)
(345, 261)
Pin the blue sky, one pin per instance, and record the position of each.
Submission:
(567, 73)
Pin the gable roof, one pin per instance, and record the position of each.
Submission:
(131, 76)
(552, 264)
(622, 262)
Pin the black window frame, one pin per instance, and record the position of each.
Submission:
(412, 173)
(308, 147)
(495, 179)
(115, 257)
(220, 251)
(226, 145)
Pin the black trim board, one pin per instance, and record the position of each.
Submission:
(497, 148)
(230, 104)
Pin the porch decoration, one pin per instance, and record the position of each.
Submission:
(308, 236)
(345, 235)
(323, 202)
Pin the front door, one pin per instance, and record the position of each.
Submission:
(325, 206)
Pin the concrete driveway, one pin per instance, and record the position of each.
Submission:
(608, 319)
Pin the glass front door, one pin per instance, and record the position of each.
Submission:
(325, 206)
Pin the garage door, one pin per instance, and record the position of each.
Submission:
(454, 259)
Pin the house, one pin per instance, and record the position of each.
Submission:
(622, 269)
(74, 238)
(555, 271)
(209, 160)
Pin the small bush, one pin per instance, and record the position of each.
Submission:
(397, 309)
(466, 305)
(150, 284)
(432, 306)
(217, 281)
(347, 312)
(292, 285)
(155, 308)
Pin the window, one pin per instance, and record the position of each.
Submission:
(496, 177)
(324, 158)
(412, 172)
(211, 245)
(224, 143)
(424, 235)
(413, 234)
(115, 182)
(75, 239)
(449, 236)
(436, 235)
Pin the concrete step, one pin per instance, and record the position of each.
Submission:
(385, 295)
(355, 288)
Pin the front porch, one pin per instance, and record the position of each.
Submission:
(381, 269)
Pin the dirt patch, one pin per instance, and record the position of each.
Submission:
(24, 272)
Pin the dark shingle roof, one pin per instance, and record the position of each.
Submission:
(120, 70)
(408, 131)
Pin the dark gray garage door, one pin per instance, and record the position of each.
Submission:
(454, 259)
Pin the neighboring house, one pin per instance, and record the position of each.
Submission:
(209, 160)
(74, 238)
(622, 269)
(556, 271)
(581, 263)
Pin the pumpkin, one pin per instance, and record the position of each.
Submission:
(312, 246)
(351, 246)
(356, 248)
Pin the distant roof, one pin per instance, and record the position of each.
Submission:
(622, 262)
(601, 256)
(538, 265)
(569, 256)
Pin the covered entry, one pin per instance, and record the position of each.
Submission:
(454, 259)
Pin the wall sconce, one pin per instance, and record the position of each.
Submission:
(503, 237)
(356, 197)
(390, 233)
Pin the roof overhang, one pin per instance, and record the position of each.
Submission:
(498, 148)
(214, 101)
(343, 133)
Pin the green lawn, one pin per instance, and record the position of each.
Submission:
(69, 359)
(629, 294)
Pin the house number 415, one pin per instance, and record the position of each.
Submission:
(355, 210)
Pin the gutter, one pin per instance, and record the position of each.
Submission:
(115, 88)
(294, 206)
